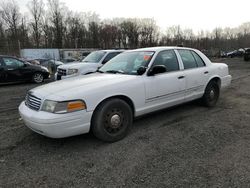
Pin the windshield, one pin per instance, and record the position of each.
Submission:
(128, 62)
(94, 57)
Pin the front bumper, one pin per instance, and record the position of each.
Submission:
(60, 77)
(226, 81)
(56, 125)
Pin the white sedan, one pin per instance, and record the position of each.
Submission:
(132, 84)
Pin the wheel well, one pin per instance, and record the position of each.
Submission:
(122, 97)
(217, 80)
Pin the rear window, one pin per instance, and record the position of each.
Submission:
(198, 59)
(188, 59)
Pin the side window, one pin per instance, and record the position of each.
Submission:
(167, 58)
(12, 63)
(110, 56)
(198, 59)
(187, 59)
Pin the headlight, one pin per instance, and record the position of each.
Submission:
(72, 71)
(63, 107)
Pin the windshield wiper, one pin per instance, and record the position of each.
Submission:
(115, 71)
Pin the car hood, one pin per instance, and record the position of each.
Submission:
(38, 67)
(83, 83)
(78, 65)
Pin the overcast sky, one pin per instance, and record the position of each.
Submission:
(195, 14)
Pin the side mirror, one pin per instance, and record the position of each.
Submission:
(157, 69)
(141, 70)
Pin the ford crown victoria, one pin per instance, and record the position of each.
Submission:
(132, 84)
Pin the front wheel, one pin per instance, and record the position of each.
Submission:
(37, 78)
(112, 120)
(211, 95)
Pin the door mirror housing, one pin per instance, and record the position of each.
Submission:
(157, 69)
(141, 70)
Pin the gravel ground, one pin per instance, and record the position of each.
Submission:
(185, 146)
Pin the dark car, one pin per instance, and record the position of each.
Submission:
(247, 54)
(236, 53)
(16, 70)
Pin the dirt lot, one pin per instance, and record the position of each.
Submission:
(185, 146)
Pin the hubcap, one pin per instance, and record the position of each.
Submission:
(212, 94)
(38, 77)
(115, 121)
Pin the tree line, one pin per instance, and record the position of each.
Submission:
(51, 24)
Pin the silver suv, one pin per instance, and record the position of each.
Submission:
(88, 65)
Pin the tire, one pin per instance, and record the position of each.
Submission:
(211, 95)
(112, 120)
(37, 78)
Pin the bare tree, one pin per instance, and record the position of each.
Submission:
(11, 17)
(56, 13)
(36, 8)
(130, 33)
(148, 32)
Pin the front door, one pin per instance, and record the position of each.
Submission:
(12, 68)
(165, 89)
(2, 72)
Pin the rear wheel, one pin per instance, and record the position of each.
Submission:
(112, 120)
(211, 95)
(37, 77)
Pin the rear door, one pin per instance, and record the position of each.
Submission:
(196, 73)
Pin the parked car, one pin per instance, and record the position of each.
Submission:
(16, 70)
(88, 65)
(236, 53)
(247, 54)
(50, 62)
(132, 84)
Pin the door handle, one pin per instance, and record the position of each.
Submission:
(10, 69)
(206, 72)
(181, 77)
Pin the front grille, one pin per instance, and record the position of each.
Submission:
(61, 72)
(32, 102)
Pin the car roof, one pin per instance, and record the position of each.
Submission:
(160, 48)
(9, 56)
(112, 50)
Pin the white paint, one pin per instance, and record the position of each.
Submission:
(95, 88)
